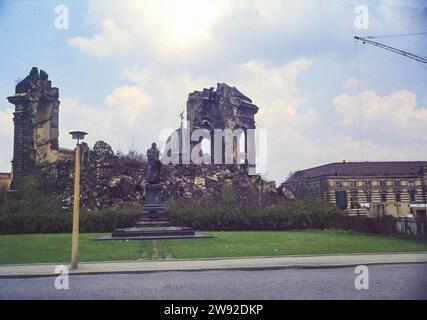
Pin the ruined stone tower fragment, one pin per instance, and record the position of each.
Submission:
(223, 108)
(36, 123)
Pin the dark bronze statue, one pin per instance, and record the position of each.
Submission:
(153, 165)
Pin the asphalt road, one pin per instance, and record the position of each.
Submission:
(385, 282)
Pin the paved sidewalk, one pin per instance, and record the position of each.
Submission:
(322, 261)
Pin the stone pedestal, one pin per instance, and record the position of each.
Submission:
(153, 222)
(153, 205)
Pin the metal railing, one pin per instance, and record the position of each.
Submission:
(388, 225)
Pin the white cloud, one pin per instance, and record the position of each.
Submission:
(6, 139)
(157, 27)
(292, 121)
(127, 103)
(6, 123)
(122, 119)
(284, 110)
(170, 89)
(110, 41)
(129, 116)
(395, 116)
(274, 90)
(301, 152)
(204, 32)
(74, 115)
(195, 33)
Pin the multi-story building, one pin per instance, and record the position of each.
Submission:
(397, 188)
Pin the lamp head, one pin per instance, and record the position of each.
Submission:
(78, 135)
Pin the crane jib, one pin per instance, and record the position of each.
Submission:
(395, 50)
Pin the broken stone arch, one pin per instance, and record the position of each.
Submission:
(207, 125)
(225, 108)
(239, 143)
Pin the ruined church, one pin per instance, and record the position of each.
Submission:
(111, 180)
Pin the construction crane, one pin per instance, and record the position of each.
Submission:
(398, 51)
(356, 59)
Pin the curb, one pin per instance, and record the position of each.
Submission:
(303, 267)
(240, 265)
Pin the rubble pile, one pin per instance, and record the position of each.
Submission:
(206, 182)
(109, 180)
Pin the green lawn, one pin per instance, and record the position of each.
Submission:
(45, 248)
(41, 248)
(277, 243)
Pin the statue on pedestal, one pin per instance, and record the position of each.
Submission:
(153, 165)
(153, 222)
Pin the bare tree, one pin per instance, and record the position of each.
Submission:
(134, 153)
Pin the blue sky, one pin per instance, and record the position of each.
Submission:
(124, 70)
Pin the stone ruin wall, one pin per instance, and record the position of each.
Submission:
(36, 124)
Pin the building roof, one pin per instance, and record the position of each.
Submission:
(5, 175)
(381, 168)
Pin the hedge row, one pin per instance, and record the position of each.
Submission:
(285, 215)
(58, 222)
(34, 209)
(219, 217)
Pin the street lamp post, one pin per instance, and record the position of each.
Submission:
(77, 135)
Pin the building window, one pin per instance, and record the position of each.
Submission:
(382, 184)
(338, 184)
(367, 184)
(412, 196)
(398, 197)
(354, 204)
(397, 183)
(411, 183)
(383, 197)
(353, 184)
(369, 197)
